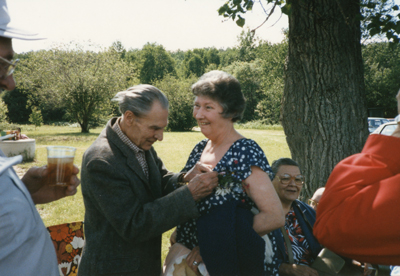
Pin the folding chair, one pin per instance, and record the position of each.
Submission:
(68, 240)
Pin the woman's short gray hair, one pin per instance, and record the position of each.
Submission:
(284, 161)
(139, 99)
(223, 88)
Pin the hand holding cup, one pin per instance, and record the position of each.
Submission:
(60, 162)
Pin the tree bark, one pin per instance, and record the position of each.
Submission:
(324, 112)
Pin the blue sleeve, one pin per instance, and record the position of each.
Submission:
(246, 154)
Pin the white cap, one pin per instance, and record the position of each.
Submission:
(10, 31)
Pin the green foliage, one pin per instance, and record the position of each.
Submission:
(213, 57)
(194, 63)
(378, 17)
(16, 102)
(36, 117)
(382, 76)
(156, 63)
(81, 82)
(181, 102)
(228, 56)
(3, 111)
(248, 43)
(258, 124)
(249, 74)
(118, 48)
(262, 81)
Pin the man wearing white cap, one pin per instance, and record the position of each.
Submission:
(25, 245)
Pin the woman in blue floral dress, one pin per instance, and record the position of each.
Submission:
(244, 207)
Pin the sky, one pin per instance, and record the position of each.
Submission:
(175, 24)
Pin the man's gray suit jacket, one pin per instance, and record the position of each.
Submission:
(126, 214)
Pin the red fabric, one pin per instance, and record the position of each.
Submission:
(358, 214)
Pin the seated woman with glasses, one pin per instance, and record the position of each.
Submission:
(288, 182)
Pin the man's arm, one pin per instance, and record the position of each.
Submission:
(357, 216)
(126, 209)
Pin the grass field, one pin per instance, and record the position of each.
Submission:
(173, 150)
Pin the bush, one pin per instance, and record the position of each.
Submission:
(260, 124)
(3, 111)
(36, 117)
(180, 102)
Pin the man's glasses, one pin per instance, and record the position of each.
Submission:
(7, 67)
(285, 179)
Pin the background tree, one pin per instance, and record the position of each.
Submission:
(213, 57)
(3, 111)
(16, 102)
(250, 75)
(81, 82)
(194, 64)
(247, 45)
(323, 107)
(156, 63)
(36, 117)
(382, 76)
(180, 98)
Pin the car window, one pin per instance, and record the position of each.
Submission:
(388, 130)
(371, 123)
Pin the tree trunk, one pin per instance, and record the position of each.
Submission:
(84, 126)
(324, 114)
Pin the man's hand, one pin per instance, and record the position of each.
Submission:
(35, 180)
(296, 270)
(203, 184)
(194, 259)
(197, 169)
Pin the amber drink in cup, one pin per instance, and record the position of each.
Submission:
(60, 162)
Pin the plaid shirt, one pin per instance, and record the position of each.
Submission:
(139, 153)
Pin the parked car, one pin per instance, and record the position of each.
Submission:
(386, 129)
(375, 122)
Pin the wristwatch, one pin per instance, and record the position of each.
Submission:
(397, 119)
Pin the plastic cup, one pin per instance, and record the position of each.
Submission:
(60, 162)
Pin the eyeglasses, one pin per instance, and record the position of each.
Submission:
(285, 179)
(312, 203)
(7, 67)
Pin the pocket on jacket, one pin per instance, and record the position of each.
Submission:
(119, 265)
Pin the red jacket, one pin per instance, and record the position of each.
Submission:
(358, 214)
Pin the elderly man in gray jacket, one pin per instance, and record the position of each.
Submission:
(130, 197)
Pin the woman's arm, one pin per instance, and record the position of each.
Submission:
(260, 189)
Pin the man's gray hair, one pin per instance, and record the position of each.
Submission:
(139, 99)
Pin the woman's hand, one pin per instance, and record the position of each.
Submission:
(194, 259)
(172, 239)
(195, 170)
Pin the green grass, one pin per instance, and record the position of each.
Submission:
(173, 150)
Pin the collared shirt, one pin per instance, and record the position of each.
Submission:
(25, 246)
(139, 153)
